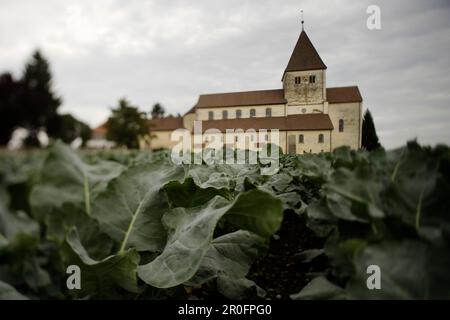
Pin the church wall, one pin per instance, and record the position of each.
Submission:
(305, 92)
(306, 108)
(277, 111)
(310, 141)
(351, 114)
(188, 121)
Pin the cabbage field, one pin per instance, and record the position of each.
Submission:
(136, 226)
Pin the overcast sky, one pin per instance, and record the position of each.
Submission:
(172, 51)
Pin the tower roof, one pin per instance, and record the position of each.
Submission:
(304, 57)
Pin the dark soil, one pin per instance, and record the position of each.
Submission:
(280, 273)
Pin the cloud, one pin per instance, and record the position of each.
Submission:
(172, 51)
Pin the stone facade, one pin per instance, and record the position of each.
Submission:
(350, 114)
(306, 92)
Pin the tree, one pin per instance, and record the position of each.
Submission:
(369, 135)
(126, 125)
(158, 111)
(37, 98)
(10, 114)
(31, 103)
(67, 128)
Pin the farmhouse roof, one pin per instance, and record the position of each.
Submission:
(101, 130)
(165, 124)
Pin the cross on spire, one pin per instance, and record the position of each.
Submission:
(301, 11)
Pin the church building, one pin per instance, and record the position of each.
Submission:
(310, 117)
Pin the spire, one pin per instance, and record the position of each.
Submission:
(304, 57)
(302, 19)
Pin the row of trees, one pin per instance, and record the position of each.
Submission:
(30, 102)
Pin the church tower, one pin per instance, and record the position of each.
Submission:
(304, 80)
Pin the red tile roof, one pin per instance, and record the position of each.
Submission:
(343, 94)
(191, 110)
(248, 98)
(313, 121)
(304, 57)
(263, 97)
(165, 124)
(100, 131)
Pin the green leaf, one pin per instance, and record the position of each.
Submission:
(188, 194)
(319, 289)
(191, 234)
(229, 255)
(409, 270)
(355, 195)
(3, 241)
(66, 178)
(238, 288)
(14, 225)
(213, 176)
(258, 212)
(306, 256)
(103, 278)
(228, 260)
(8, 292)
(130, 210)
(62, 220)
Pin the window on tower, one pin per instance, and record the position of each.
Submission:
(298, 80)
(312, 79)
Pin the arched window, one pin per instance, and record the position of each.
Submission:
(321, 138)
(224, 114)
(210, 115)
(301, 139)
(252, 113)
(238, 113)
(341, 125)
(268, 112)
